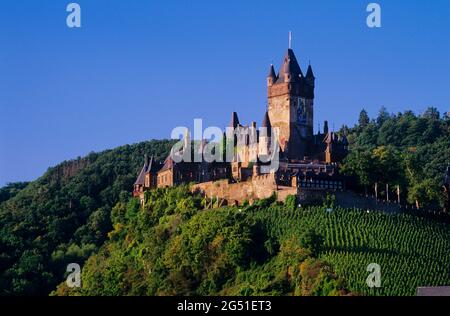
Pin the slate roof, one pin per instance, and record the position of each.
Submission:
(289, 66)
(141, 177)
(309, 72)
(272, 73)
(150, 165)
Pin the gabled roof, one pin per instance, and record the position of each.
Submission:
(289, 67)
(168, 163)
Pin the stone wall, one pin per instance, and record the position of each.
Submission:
(258, 187)
(263, 186)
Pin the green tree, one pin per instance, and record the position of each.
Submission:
(360, 164)
(383, 116)
(364, 119)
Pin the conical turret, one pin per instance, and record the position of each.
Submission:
(290, 70)
(310, 76)
(271, 77)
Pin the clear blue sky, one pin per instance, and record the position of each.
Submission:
(138, 68)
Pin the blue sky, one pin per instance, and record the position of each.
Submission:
(136, 68)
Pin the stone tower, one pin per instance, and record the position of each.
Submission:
(290, 106)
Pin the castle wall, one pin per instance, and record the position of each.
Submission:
(263, 186)
(258, 187)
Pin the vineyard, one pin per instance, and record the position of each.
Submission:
(411, 251)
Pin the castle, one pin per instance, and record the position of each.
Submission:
(307, 163)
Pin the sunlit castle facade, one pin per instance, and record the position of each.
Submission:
(305, 161)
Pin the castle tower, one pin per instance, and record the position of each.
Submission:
(290, 106)
(264, 136)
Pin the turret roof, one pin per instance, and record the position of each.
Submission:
(309, 72)
(290, 67)
(272, 73)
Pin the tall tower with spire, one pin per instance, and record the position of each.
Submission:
(290, 106)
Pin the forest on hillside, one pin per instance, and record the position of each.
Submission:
(403, 151)
(73, 214)
(64, 215)
(173, 246)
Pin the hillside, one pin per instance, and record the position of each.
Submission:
(64, 216)
(174, 247)
(404, 150)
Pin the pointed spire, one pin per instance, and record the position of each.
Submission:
(272, 74)
(152, 165)
(290, 69)
(141, 177)
(271, 77)
(234, 120)
(266, 124)
(309, 72)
